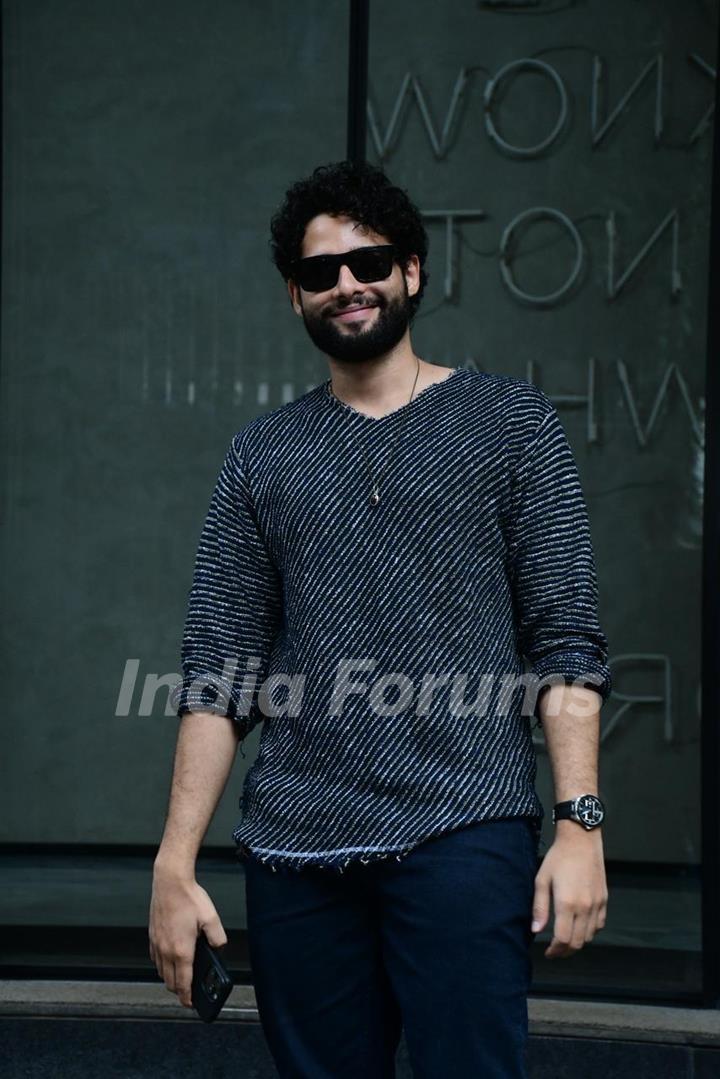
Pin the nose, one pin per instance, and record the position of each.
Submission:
(346, 283)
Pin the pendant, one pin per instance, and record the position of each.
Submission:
(375, 497)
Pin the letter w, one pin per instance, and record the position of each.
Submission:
(409, 90)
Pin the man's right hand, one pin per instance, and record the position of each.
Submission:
(180, 909)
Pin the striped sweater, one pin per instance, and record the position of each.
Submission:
(390, 651)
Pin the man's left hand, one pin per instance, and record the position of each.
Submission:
(573, 873)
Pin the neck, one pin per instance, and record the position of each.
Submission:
(384, 382)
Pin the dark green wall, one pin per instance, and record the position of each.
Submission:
(146, 147)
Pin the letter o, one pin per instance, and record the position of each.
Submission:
(377, 694)
(537, 213)
(512, 68)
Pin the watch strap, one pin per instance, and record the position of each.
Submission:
(563, 810)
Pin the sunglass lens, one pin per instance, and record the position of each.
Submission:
(371, 263)
(317, 274)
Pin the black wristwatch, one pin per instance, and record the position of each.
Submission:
(587, 809)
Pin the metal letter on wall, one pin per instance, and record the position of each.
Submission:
(537, 213)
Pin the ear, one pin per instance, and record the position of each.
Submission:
(411, 271)
(294, 292)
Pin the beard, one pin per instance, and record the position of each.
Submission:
(355, 343)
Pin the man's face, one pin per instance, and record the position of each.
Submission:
(354, 321)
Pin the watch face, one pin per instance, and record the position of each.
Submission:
(590, 810)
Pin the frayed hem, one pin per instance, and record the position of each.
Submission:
(334, 863)
(339, 861)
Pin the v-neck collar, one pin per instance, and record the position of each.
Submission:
(427, 391)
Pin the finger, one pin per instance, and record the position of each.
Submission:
(154, 953)
(169, 972)
(590, 928)
(161, 969)
(595, 918)
(541, 904)
(183, 982)
(562, 934)
(579, 929)
(602, 915)
(216, 935)
(595, 922)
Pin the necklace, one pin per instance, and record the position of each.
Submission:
(375, 480)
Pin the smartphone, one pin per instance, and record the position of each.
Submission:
(211, 983)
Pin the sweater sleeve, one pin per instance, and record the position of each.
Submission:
(552, 566)
(233, 609)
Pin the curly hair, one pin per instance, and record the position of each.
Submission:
(360, 191)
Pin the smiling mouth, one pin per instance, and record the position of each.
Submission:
(350, 314)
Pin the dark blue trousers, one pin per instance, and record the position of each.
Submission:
(436, 944)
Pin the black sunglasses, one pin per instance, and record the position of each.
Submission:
(318, 273)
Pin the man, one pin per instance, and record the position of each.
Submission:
(380, 559)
